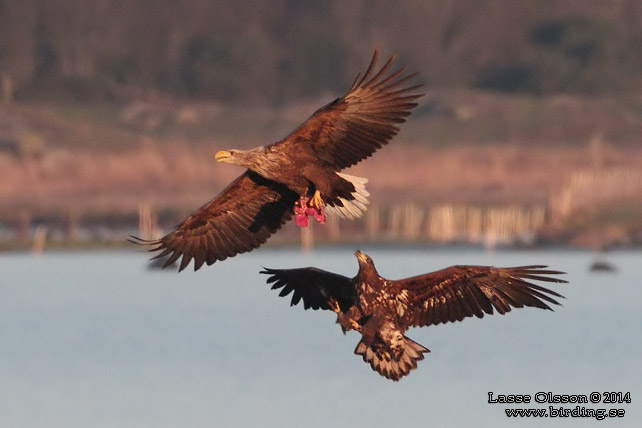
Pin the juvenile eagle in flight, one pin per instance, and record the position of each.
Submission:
(299, 175)
(382, 309)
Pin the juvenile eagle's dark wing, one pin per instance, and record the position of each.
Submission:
(351, 128)
(241, 218)
(316, 287)
(457, 292)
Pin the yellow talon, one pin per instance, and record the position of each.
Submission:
(355, 325)
(317, 201)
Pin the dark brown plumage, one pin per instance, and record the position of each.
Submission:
(382, 309)
(304, 166)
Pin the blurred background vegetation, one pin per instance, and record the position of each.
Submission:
(269, 51)
(109, 104)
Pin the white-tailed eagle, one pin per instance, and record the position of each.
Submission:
(382, 309)
(299, 175)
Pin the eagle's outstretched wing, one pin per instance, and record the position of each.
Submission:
(351, 128)
(242, 217)
(457, 292)
(316, 287)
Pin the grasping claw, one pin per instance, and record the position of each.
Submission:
(309, 207)
(316, 201)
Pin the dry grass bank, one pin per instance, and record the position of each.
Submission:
(100, 162)
(180, 177)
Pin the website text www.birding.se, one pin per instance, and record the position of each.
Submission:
(563, 405)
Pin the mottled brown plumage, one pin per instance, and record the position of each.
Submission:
(382, 309)
(306, 163)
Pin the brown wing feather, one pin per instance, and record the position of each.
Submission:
(351, 128)
(316, 287)
(457, 292)
(241, 218)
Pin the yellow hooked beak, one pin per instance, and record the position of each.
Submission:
(361, 256)
(223, 155)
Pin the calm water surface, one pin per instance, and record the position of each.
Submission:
(97, 340)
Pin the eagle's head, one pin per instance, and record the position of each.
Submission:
(232, 156)
(363, 257)
(365, 262)
(247, 158)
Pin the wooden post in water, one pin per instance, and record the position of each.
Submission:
(333, 227)
(475, 223)
(39, 239)
(413, 217)
(307, 238)
(373, 222)
(72, 225)
(24, 224)
(441, 225)
(147, 227)
(394, 221)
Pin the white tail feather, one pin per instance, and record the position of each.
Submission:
(355, 208)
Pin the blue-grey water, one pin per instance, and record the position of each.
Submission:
(97, 340)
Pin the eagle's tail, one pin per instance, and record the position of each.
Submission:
(355, 207)
(392, 365)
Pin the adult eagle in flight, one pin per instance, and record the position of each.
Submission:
(382, 309)
(299, 175)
